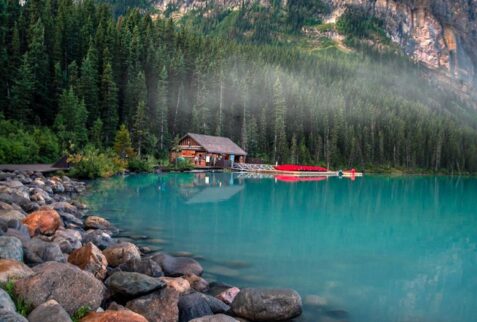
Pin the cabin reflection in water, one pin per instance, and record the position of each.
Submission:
(209, 187)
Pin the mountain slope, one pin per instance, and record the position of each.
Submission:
(440, 34)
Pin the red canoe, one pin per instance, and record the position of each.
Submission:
(298, 179)
(304, 168)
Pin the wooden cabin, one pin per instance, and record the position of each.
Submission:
(206, 151)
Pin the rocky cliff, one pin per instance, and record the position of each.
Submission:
(441, 34)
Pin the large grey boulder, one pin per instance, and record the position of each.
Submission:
(131, 284)
(71, 287)
(215, 318)
(261, 304)
(50, 311)
(178, 266)
(100, 238)
(196, 305)
(11, 248)
(11, 214)
(144, 266)
(38, 251)
(6, 302)
(158, 306)
(11, 316)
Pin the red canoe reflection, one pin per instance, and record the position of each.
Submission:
(298, 179)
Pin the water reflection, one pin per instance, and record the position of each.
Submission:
(380, 248)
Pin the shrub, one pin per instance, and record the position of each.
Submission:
(91, 164)
(22, 307)
(142, 164)
(19, 144)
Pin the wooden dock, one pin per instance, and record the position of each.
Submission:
(43, 168)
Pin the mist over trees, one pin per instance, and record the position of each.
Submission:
(73, 67)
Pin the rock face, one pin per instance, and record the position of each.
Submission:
(121, 253)
(442, 34)
(90, 259)
(178, 266)
(159, 306)
(49, 311)
(258, 304)
(132, 284)
(45, 221)
(71, 287)
(113, 316)
(13, 270)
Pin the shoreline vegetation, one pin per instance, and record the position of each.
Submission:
(60, 262)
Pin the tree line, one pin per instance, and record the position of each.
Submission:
(75, 68)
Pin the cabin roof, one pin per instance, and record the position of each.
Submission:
(216, 144)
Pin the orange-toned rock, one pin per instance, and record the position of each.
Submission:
(118, 254)
(197, 283)
(113, 316)
(179, 284)
(13, 270)
(44, 221)
(89, 258)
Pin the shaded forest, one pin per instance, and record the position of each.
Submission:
(76, 72)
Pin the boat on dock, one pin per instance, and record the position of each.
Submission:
(294, 170)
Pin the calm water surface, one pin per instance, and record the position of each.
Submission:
(380, 248)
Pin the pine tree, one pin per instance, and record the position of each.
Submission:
(162, 110)
(109, 101)
(88, 84)
(140, 127)
(97, 133)
(22, 92)
(279, 134)
(71, 121)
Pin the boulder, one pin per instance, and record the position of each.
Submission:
(10, 214)
(11, 316)
(96, 222)
(13, 270)
(179, 284)
(44, 221)
(38, 251)
(90, 259)
(228, 295)
(144, 266)
(118, 254)
(129, 284)
(102, 239)
(159, 306)
(197, 283)
(259, 304)
(113, 316)
(64, 206)
(70, 221)
(11, 248)
(196, 305)
(40, 196)
(6, 303)
(71, 287)
(50, 311)
(15, 198)
(215, 318)
(178, 266)
(68, 239)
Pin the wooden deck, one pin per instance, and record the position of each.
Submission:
(44, 168)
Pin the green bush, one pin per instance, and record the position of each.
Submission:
(19, 144)
(22, 307)
(137, 164)
(91, 164)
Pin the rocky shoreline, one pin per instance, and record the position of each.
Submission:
(60, 263)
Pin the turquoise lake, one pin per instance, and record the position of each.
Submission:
(378, 248)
